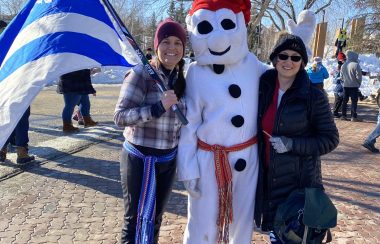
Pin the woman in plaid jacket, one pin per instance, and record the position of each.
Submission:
(148, 158)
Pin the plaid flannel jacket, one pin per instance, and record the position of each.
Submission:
(133, 111)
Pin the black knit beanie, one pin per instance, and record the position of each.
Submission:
(288, 41)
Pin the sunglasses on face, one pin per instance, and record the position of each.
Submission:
(282, 56)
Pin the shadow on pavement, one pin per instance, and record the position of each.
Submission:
(98, 174)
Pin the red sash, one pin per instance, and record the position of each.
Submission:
(223, 175)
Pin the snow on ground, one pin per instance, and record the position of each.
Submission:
(110, 75)
(368, 62)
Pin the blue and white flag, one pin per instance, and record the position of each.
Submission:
(49, 38)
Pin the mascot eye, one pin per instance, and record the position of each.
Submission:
(204, 27)
(228, 24)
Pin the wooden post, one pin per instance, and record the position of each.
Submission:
(319, 40)
(357, 31)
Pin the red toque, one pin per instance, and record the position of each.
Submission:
(168, 28)
(236, 6)
(341, 56)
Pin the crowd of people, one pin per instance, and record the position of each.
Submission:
(266, 150)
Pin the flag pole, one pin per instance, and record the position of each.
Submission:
(142, 57)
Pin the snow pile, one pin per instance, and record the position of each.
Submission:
(368, 62)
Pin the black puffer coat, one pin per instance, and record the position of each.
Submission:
(303, 115)
(76, 82)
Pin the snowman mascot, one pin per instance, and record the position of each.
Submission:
(217, 157)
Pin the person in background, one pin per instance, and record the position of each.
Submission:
(77, 115)
(148, 54)
(317, 73)
(338, 89)
(295, 127)
(20, 139)
(75, 87)
(351, 74)
(370, 141)
(151, 135)
(340, 41)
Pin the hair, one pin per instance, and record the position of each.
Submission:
(314, 67)
(180, 85)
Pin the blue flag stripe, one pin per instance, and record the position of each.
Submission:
(62, 42)
(48, 39)
(7, 37)
(88, 26)
(89, 8)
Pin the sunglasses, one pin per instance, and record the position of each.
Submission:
(282, 56)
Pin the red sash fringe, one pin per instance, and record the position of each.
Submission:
(223, 175)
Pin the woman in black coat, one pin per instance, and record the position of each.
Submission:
(295, 127)
(75, 87)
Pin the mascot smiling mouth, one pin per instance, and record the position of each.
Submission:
(220, 53)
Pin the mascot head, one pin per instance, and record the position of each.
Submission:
(217, 30)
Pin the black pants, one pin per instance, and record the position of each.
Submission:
(337, 104)
(19, 136)
(131, 171)
(350, 92)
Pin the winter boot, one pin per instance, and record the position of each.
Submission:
(22, 155)
(68, 127)
(3, 155)
(88, 122)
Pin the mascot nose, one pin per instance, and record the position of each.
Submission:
(218, 41)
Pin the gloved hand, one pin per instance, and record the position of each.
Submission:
(305, 27)
(191, 187)
(281, 144)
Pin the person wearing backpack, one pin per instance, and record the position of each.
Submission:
(338, 89)
(295, 127)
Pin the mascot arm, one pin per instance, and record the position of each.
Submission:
(187, 162)
(306, 23)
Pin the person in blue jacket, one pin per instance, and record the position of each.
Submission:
(317, 73)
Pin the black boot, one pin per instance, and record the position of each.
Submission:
(371, 147)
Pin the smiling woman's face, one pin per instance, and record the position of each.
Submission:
(170, 52)
(288, 68)
(217, 37)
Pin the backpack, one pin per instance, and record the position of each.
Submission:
(305, 217)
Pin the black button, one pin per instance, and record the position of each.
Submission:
(237, 120)
(218, 68)
(234, 90)
(240, 165)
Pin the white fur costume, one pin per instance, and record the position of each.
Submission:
(211, 107)
(305, 28)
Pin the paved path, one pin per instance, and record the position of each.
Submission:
(76, 196)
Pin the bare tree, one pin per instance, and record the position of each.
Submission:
(278, 11)
(11, 7)
(370, 10)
